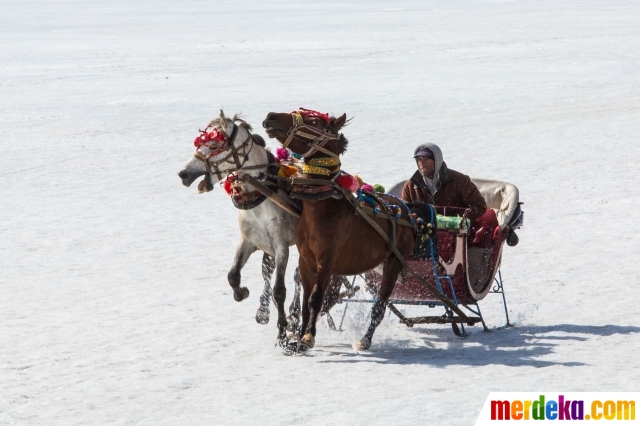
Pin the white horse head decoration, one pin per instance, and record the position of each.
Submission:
(222, 148)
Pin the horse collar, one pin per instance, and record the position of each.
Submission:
(248, 201)
(324, 166)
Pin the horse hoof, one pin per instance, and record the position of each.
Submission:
(241, 294)
(307, 342)
(291, 348)
(363, 345)
(282, 341)
(262, 316)
(262, 319)
(294, 334)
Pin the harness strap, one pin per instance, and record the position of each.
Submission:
(260, 166)
(317, 138)
(305, 181)
(315, 144)
(371, 212)
(272, 195)
(234, 151)
(207, 177)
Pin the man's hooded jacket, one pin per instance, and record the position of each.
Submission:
(451, 188)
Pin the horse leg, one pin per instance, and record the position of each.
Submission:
(280, 291)
(307, 276)
(392, 268)
(351, 289)
(294, 310)
(244, 250)
(331, 297)
(268, 265)
(314, 304)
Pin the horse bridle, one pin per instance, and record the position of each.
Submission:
(313, 138)
(235, 153)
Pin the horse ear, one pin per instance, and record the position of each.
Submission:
(339, 122)
(223, 121)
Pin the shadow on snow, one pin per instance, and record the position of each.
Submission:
(515, 346)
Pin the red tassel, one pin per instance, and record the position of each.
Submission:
(227, 187)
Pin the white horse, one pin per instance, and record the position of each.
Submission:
(263, 225)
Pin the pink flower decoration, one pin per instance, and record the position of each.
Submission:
(282, 154)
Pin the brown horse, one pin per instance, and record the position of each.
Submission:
(330, 237)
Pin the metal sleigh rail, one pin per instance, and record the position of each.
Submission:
(447, 318)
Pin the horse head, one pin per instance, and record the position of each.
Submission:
(223, 147)
(308, 133)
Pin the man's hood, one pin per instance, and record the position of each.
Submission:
(438, 160)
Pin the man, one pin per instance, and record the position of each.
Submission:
(436, 184)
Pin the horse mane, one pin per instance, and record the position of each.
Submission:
(343, 142)
(258, 140)
(221, 122)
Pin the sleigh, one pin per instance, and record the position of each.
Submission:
(462, 262)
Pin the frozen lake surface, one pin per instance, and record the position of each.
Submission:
(115, 307)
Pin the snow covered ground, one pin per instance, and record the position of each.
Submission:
(115, 307)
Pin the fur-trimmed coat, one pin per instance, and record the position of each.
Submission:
(454, 189)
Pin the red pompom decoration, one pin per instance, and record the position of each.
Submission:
(200, 140)
(347, 181)
(213, 135)
(282, 154)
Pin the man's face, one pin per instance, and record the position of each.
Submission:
(426, 166)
